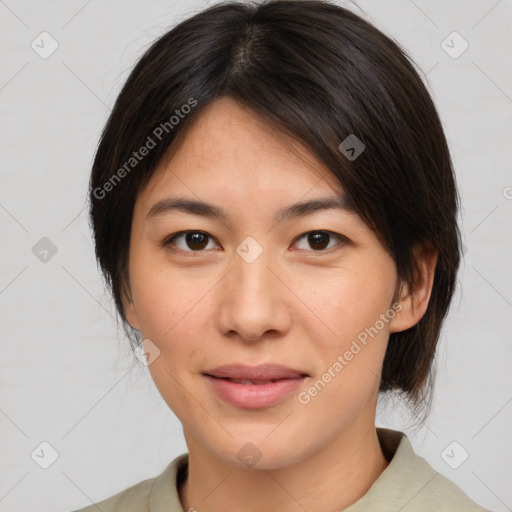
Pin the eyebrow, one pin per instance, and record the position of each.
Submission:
(209, 210)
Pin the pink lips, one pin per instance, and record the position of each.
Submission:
(254, 387)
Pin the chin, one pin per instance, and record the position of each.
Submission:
(260, 452)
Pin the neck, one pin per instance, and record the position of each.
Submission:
(330, 479)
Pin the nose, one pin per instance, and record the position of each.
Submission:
(255, 303)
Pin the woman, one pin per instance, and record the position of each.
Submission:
(274, 207)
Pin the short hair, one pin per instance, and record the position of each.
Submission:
(319, 73)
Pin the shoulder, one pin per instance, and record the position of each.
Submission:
(410, 483)
(158, 493)
(435, 491)
(432, 489)
(132, 499)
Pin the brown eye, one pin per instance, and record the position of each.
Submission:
(321, 240)
(189, 241)
(318, 240)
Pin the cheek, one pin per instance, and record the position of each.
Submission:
(351, 351)
(350, 301)
(354, 337)
(173, 316)
(171, 306)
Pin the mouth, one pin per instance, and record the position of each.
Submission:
(260, 373)
(254, 387)
(254, 382)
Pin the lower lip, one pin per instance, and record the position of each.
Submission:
(255, 396)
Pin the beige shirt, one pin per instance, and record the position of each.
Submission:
(408, 484)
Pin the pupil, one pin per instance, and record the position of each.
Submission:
(196, 240)
(318, 240)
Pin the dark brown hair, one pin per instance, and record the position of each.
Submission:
(319, 73)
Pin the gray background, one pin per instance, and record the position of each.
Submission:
(67, 377)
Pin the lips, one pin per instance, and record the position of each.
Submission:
(259, 374)
(248, 381)
(254, 387)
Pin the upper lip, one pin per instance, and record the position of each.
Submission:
(258, 372)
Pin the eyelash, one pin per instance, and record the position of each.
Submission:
(168, 242)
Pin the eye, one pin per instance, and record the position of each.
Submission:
(196, 241)
(189, 241)
(320, 240)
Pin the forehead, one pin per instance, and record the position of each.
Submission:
(231, 152)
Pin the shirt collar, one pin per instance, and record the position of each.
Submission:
(401, 471)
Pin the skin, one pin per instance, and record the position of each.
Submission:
(295, 304)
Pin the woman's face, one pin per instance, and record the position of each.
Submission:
(254, 288)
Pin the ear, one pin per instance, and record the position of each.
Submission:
(414, 299)
(129, 308)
